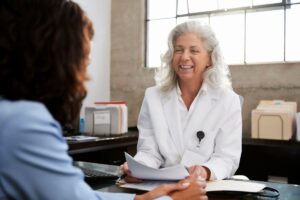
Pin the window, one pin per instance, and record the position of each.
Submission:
(227, 27)
(265, 36)
(249, 31)
(292, 33)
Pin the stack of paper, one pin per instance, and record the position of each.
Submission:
(141, 171)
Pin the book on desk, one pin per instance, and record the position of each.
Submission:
(153, 178)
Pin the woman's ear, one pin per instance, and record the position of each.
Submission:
(209, 64)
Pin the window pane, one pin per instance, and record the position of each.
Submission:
(293, 33)
(295, 1)
(180, 20)
(182, 7)
(203, 18)
(264, 38)
(161, 9)
(158, 31)
(232, 42)
(264, 2)
(202, 5)
(227, 4)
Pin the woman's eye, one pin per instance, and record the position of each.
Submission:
(195, 51)
(178, 50)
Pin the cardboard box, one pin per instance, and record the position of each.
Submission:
(274, 120)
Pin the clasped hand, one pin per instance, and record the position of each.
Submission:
(192, 187)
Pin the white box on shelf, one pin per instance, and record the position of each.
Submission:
(106, 118)
(274, 120)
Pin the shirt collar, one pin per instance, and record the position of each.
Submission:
(203, 89)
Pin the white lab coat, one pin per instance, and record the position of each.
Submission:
(162, 142)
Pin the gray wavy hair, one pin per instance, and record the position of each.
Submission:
(217, 75)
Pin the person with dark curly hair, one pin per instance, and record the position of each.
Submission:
(44, 49)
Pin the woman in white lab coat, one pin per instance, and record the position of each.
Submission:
(192, 116)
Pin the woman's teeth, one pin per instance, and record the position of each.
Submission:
(186, 66)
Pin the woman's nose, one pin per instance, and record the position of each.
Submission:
(185, 55)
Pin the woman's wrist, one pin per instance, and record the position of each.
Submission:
(139, 197)
(208, 173)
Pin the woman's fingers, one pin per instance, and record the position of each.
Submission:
(196, 190)
(127, 174)
(124, 168)
(198, 172)
(165, 189)
(131, 179)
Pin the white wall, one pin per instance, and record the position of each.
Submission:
(99, 11)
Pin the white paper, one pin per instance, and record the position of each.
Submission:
(145, 186)
(211, 186)
(141, 171)
(234, 185)
(81, 138)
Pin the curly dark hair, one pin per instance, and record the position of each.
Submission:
(43, 54)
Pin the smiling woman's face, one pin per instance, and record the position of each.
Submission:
(190, 58)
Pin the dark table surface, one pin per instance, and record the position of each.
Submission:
(103, 143)
(286, 191)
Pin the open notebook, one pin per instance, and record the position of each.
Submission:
(212, 186)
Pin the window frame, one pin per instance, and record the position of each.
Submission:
(283, 5)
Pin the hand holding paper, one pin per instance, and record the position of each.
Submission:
(141, 171)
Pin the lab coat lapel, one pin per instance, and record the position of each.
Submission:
(171, 113)
(205, 103)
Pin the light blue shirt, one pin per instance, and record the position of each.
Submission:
(34, 163)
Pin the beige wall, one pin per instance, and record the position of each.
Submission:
(129, 78)
(268, 81)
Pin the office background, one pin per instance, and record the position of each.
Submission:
(129, 79)
(117, 63)
(99, 69)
